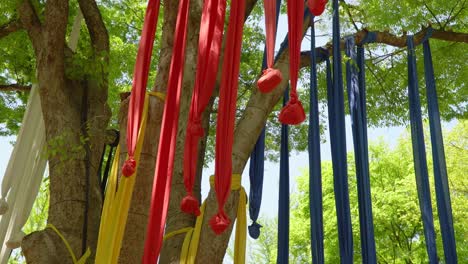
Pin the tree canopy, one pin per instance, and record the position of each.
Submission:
(397, 219)
(386, 65)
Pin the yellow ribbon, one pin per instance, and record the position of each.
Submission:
(117, 200)
(192, 238)
(83, 258)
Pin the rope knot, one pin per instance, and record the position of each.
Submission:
(3, 206)
(220, 222)
(269, 80)
(129, 167)
(293, 113)
(190, 205)
(254, 230)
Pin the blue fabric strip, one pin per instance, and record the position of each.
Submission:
(315, 171)
(283, 201)
(257, 161)
(419, 153)
(337, 128)
(444, 206)
(355, 80)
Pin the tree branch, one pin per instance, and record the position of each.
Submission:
(95, 24)
(30, 21)
(10, 27)
(55, 25)
(396, 41)
(14, 87)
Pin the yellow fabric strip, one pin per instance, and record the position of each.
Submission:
(117, 203)
(83, 259)
(178, 232)
(192, 238)
(159, 95)
(241, 229)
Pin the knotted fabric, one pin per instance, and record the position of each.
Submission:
(117, 200)
(444, 205)
(140, 79)
(293, 113)
(271, 77)
(315, 171)
(226, 114)
(317, 7)
(419, 153)
(257, 162)
(355, 80)
(167, 141)
(209, 47)
(190, 245)
(337, 128)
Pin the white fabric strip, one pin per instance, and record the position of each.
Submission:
(23, 175)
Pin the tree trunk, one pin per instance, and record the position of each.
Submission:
(68, 133)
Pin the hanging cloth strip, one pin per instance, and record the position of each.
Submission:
(315, 171)
(419, 153)
(226, 114)
(444, 205)
(209, 47)
(293, 113)
(192, 237)
(337, 128)
(317, 7)
(140, 80)
(271, 77)
(167, 141)
(117, 200)
(257, 161)
(355, 80)
(283, 199)
(23, 176)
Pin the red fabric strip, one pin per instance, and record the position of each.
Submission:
(140, 79)
(270, 25)
(271, 77)
(317, 7)
(209, 47)
(226, 114)
(167, 141)
(293, 113)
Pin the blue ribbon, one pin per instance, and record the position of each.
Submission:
(419, 153)
(315, 171)
(444, 206)
(355, 80)
(283, 201)
(336, 117)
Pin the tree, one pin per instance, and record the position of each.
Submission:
(397, 219)
(33, 36)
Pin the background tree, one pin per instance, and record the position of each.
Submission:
(397, 220)
(33, 49)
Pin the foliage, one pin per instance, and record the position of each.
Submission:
(397, 221)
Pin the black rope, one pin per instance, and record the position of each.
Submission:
(87, 163)
(105, 176)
